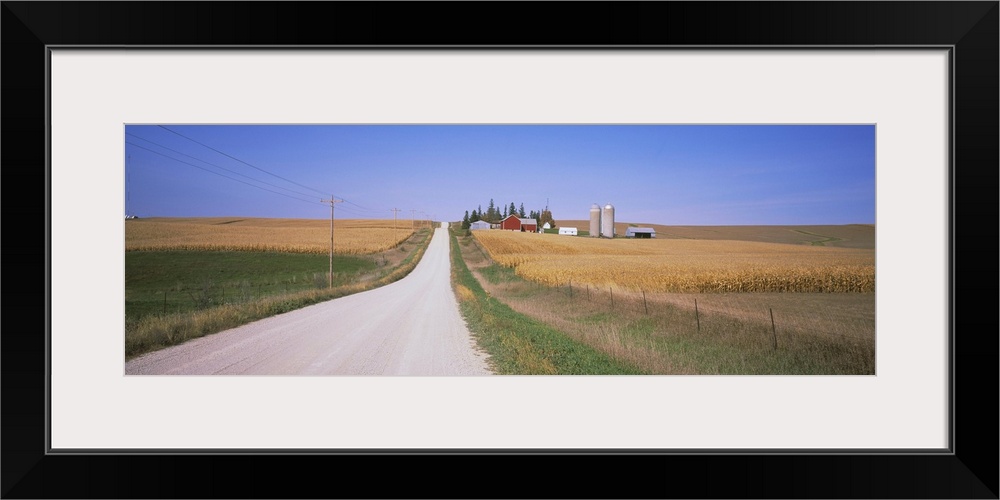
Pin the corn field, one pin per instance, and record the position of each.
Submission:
(351, 236)
(672, 265)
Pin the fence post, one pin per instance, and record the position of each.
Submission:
(696, 317)
(644, 302)
(774, 334)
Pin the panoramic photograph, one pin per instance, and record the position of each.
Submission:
(468, 250)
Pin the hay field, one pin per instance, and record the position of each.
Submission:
(351, 236)
(681, 265)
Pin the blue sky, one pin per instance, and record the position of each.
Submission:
(659, 174)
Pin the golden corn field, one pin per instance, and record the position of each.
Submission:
(681, 265)
(351, 236)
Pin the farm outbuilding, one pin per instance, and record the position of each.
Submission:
(608, 221)
(515, 223)
(568, 230)
(640, 232)
(479, 224)
(595, 221)
(511, 223)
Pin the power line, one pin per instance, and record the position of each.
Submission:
(364, 208)
(220, 167)
(355, 212)
(216, 173)
(241, 161)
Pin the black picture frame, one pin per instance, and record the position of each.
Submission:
(970, 470)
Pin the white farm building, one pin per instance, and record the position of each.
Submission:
(568, 230)
(640, 232)
(479, 224)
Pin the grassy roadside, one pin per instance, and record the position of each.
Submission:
(204, 314)
(518, 344)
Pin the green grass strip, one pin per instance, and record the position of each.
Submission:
(519, 345)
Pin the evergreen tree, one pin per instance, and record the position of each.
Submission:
(513, 209)
(474, 217)
(491, 212)
(504, 213)
(520, 212)
(465, 220)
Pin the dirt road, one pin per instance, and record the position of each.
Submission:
(410, 327)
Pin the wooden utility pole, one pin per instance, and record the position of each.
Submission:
(332, 201)
(394, 210)
(128, 186)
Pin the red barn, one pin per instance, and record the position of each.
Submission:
(511, 223)
(514, 223)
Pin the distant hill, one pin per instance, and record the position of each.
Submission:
(844, 236)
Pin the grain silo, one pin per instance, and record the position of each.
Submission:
(595, 221)
(608, 221)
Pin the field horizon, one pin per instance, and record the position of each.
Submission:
(858, 235)
(352, 236)
(833, 235)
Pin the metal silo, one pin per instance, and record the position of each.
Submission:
(608, 221)
(595, 221)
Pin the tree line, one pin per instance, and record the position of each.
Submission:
(493, 215)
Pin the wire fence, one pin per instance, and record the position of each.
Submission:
(813, 322)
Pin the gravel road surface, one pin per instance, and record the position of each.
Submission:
(410, 327)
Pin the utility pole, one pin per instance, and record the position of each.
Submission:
(332, 201)
(394, 210)
(128, 185)
(413, 214)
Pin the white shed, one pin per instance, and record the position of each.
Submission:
(568, 230)
(479, 224)
(640, 232)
